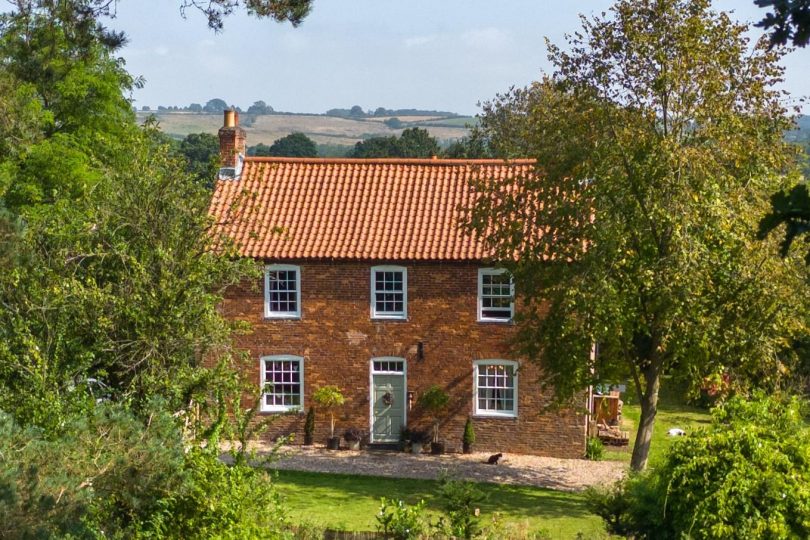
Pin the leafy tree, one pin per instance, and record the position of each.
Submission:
(788, 23)
(195, 108)
(357, 112)
(215, 105)
(417, 142)
(393, 122)
(376, 147)
(201, 151)
(293, 145)
(745, 476)
(471, 147)
(413, 143)
(260, 107)
(259, 150)
(654, 166)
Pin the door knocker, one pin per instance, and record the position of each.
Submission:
(388, 399)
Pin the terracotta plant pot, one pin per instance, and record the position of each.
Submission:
(333, 443)
(437, 448)
(416, 448)
(467, 448)
(353, 445)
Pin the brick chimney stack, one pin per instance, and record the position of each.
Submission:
(232, 139)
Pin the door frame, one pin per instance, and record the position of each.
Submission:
(371, 374)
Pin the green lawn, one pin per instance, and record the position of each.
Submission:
(671, 414)
(346, 502)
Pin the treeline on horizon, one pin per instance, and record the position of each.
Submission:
(217, 105)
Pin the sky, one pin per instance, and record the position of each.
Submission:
(427, 54)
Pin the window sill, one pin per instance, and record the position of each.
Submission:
(489, 416)
(496, 321)
(282, 317)
(389, 319)
(295, 410)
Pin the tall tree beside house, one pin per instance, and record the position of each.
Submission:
(654, 167)
(201, 152)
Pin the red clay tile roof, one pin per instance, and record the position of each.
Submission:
(385, 209)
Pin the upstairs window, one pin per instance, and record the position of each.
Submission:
(282, 380)
(495, 292)
(282, 291)
(495, 388)
(389, 292)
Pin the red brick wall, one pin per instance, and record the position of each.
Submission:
(337, 339)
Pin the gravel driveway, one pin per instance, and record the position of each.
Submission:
(560, 474)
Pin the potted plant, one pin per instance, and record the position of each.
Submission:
(330, 398)
(353, 436)
(309, 427)
(468, 439)
(434, 400)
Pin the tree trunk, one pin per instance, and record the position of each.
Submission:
(649, 408)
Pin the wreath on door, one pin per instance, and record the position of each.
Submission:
(388, 399)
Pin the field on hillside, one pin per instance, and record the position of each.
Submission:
(321, 129)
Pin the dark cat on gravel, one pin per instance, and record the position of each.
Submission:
(493, 459)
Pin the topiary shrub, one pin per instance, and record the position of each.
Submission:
(329, 398)
(309, 426)
(745, 476)
(468, 439)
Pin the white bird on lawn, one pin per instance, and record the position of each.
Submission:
(676, 432)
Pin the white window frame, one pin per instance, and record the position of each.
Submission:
(282, 314)
(496, 414)
(262, 370)
(494, 272)
(402, 315)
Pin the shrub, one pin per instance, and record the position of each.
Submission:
(460, 501)
(594, 449)
(309, 425)
(398, 521)
(745, 476)
(110, 474)
(434, 400)
(469, 433)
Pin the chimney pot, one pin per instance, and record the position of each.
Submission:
(230, 118)
(232, 140)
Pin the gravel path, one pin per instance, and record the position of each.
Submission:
(560, 474)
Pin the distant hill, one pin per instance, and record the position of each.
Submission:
(802, 133)
(335, 132)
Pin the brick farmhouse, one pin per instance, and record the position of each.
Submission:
(371, 285)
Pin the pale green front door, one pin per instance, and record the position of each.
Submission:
(388, 407)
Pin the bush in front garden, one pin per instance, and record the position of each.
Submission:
(745, 476)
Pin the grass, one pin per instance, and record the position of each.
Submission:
(346, 502)
(672, 413)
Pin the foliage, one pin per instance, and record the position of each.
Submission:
(293, 145)
(434, 400)
(654, 168)
(788, 23)
(469, 432)
(745, 476)
(215, 105)
(393, 122)
(791, 209)
(309, 424)
(109, 473)
(398, 521)
(260, 107)
(460, 502)
(412, 143)
(201, 151)
(329, 398)
(471, 147)
(353, 435)
(594, 449)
